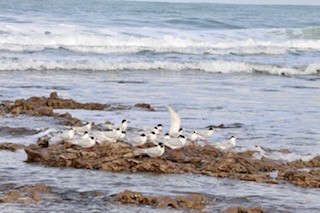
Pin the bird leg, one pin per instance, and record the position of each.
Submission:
(228, 153)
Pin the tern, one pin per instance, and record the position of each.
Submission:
(101, 137)
(160, 127)
(176, 143)
(152, 137)
(193, 137)
(162, 139)
(225, 145)
(63, 136)
(85, 141)
(138, 141)
(204, 134)
(113, 134)
(85, 128)
(123, 126)
(175, 122)
(153, 152)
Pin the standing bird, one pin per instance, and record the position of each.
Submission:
(193, 137)
(175, 122)
(113, 134)
(85, 128)
(153, 152)
(162, 139)
(85, 141)
(138, 141)
(176, 143)
(205, 134)
(123, 126)
(159, 127)
(225, 145)
(123, 135)
(152, 137)
(101, 137)
(63, 136)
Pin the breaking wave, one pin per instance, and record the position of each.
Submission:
(206, 66)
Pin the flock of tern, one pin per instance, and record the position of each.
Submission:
(175, 139)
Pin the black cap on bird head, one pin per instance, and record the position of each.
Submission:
(211, 128)
(142, 135)
(153, 133)
(161, 144)
(124, 120)
(160, 125)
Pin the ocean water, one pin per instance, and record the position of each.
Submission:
(123, 35)
(255, 69)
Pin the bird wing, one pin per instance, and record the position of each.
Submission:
(202, 133)
(143, 151)
(175, 121)
(174, 142)
(223, 144)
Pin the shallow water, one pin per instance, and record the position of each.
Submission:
(279, 117)
(271, 111)
(225, 192)
(214, 64)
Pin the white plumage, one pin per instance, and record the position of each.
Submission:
(154, 152)
(224, 145)
(175, 122)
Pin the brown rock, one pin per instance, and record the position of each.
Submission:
(145, 106)
(16, 111)
(25, 194)
(241, 209)
(43, 142)
(303, 178)
(2, 112)
(192, 201)
(11, 146)
(42, 106)
(206, 160)
(54, 96)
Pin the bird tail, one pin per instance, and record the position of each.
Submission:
(138, 151)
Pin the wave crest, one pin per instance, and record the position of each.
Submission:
(208, 66)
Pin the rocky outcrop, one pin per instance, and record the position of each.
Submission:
(42, 106)
(118, 157)
(25, 194)
(11, 146)
(145, 106)
(242, 209)
(191, 201)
